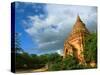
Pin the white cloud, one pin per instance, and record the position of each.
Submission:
(61, 17)
(59, 52)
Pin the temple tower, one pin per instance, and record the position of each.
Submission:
(74, 43)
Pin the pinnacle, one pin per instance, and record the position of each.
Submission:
(78, 18)
(79, 27)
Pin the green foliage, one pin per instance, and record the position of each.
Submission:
(55, 66)
(22, 60)
(69, 62)
(90, 48)
(26, 61)
(54, 61)
(54, 57)
(66, 64)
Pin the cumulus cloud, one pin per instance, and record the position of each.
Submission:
(50, 33)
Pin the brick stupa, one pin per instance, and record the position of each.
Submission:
(74, 43)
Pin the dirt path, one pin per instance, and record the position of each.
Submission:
(41, 69)
(45, 68)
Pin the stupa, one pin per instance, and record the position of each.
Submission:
(74, 43)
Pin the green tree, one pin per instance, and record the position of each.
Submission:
(23, 60)
(19, 51)
(56, 66)
(54, 57)
(70, 62)
(90, 48)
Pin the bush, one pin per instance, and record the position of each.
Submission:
(90, 48)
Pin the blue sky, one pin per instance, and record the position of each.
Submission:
(44, 27)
